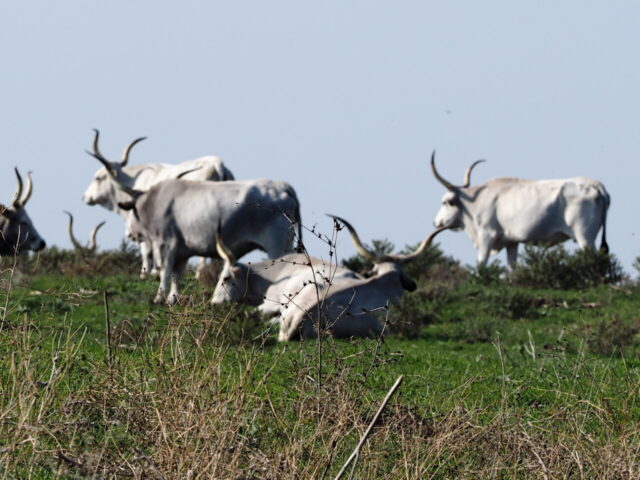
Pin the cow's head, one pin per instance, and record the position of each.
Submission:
(231, 285)
(451, 210)
(102, 191)
(388, 264)
(17, 232)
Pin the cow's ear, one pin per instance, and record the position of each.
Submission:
(407, 283)
(5, 211)
(127, 205)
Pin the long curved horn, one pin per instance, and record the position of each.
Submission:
(125, 152)
(187, 172)
(16, 196)
(96, 150)
(28, 190)
(356, 240)
(92, 245)
(448, 185)
(467, 177)
(76, 244)
(224, 252)
(410, 256)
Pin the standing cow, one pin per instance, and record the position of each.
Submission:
(504, 212)
(17, 233)
(178, 218)
(102, 191)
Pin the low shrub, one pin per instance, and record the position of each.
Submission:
(555, 267)
(612, 337)
(489, 274)
(124, 260)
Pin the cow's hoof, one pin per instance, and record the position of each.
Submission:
(159, 298)
(172, 300)
(143, 275)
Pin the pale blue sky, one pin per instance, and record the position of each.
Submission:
(343, 99)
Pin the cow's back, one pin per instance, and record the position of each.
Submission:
(203, 168)
(190, 211)
(540, 210)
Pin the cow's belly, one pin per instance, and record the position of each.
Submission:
(537, 234)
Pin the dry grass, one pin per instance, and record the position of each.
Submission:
(184, 407)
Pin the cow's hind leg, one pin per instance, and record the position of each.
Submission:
(512, 256)
(202, 264)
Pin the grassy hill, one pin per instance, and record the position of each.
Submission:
(501, 380)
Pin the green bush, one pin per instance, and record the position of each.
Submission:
(612, 337)
(418, 268)
(124, 260)
(554, 267)
(489, 274)
(359, 264)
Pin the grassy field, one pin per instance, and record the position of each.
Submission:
(500, 381)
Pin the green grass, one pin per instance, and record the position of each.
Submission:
(500, 381)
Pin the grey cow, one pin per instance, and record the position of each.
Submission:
(102, 191)
(504, 212)
(179, 219)
(17, 232)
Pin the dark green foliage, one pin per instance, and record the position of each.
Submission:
(420, 267)
(359, 264)
(124, 260)
(407, 319)
(554, 267)
(612, 337)
(509, 303)
(489, 274)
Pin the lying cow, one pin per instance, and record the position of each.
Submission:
(348, 307)
(272, 285)
(504, 212)
(17, 233)
(179, 219)
(91, 245)
(102, 191)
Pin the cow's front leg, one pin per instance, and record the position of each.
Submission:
(166, 269)
(484, 251)
(178, 270)
(147, 259)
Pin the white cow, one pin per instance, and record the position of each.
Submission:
(179, 219)
(349, 307)
(17, 232)
(102, 191)
(504, 212)
(272, 285)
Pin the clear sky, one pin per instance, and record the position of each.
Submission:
(343, 99)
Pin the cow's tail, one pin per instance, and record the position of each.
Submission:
(604, 247)
(297, 220)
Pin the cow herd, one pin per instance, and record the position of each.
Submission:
(197, 208)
